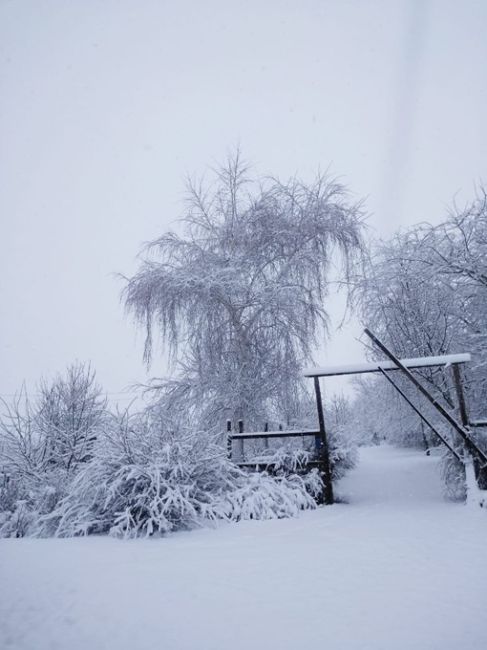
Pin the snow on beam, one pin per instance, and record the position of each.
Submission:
(289, 433)
(362, 368)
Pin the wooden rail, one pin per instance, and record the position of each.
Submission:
(290, 433)
(321, 448)
(261, 465)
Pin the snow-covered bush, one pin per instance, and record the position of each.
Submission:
(18, 521)
(26, 499)
(453, 475)
(287, 458)
(260, 496)
(343, 452)
(147, 478)
(43, 443)
(130, 475)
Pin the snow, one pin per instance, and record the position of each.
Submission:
(361, 368)
(395, 567)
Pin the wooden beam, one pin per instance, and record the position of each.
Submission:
(364, 368)
(257, 464)
(291, 433)
(478, 423)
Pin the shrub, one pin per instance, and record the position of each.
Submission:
(146, 479)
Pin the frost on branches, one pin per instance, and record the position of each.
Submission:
(237, 295)
(84, 470)
(146, 479)
(44, 443)
(424, 293)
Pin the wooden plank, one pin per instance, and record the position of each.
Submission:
(273, 434)
(272, 465)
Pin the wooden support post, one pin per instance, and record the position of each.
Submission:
(237, 444)
(266, 440)
(479, 470)
(324, 454)
(240, 425)
(229, 438)
(425, 440)
(462, 405)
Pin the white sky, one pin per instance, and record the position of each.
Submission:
(106, 105)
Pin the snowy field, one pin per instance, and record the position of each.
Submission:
(395, 568)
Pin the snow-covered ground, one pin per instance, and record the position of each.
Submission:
(396, 568)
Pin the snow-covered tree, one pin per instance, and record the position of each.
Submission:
(70, 467)
(147, 478)
(425, 293)
(238, 296)
(43, 442)
(71, 411)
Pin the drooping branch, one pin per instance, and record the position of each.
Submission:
(243, 287)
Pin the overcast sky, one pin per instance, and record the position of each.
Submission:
(107, 105)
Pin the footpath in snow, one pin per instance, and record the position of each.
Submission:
(396, 568)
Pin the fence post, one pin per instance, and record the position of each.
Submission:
(240, 425)
(266, 440)
(229, 438)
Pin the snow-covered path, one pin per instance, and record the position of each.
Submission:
(395, 568)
